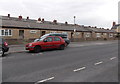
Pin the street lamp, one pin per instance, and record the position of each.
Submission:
(74, 19)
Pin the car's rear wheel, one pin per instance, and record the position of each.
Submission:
(37, 49)
(62, 47)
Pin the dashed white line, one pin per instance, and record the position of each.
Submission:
(79, 69)
(98, 63)
(112, 58)
(45, 80)
(38, 54)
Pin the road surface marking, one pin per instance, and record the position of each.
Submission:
(79, 69)
(112, 58)
(45, 80)
(98, 63)
(40, 53)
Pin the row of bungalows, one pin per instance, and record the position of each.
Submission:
(21, 29)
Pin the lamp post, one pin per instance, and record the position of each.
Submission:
(74, 27)
(74, 19)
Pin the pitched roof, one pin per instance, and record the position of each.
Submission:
(15, 22)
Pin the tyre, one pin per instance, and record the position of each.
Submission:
(37, 49)
(1, 53)
(62, 47)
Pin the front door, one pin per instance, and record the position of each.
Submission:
(21, 34)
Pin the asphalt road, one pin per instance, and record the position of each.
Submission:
(91, 63)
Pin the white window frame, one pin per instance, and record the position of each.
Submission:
(53, 31)
(33, 31)
(111, 35)
(65, 32)
(77, 33)
(88, 35)
(105, 34)
(98, 35)
(4, 30)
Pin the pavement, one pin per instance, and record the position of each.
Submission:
(91, 62)
(21, 48)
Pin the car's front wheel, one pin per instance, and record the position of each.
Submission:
(37, 49)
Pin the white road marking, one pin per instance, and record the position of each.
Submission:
(100, 43)
(38, 54)
(98, 63)
(79, 69)
(45, 80)
(112, 58)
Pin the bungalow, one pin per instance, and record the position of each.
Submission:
(13, 28)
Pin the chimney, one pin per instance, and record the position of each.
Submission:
(9, 15)
(20, 17)
(66, 23)
(39, 19)
(27, 18)
(55, 21)
(43, 20)
(114, 23)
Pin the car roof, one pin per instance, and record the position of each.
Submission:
(53, 36)
(57, 33)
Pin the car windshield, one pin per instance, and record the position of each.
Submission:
(44, 36)
(40, 39)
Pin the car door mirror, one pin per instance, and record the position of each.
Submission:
(45, 40)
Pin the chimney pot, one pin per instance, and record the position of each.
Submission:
(20, 17)
(114, 23)
(39, 19)
(43, 20)
(8, 15)
(66, 23)
(55, 21)
(27, 18)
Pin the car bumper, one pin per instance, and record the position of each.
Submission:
(30, 48)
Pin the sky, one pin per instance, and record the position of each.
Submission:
(100, 13)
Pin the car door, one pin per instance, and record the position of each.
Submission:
(56, 42)
(48, 43)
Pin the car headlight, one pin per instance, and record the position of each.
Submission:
(30, 44)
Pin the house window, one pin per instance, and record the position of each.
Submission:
(33, 31)
(53, 32)
(87, 35)
(110, 35)
(2, 32)
(98, 34)
(6, 32)
(105, 34)
(77, 33)
(64, 32)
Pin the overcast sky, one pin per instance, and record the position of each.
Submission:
(100, 13)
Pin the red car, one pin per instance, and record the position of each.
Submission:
(50, 42)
